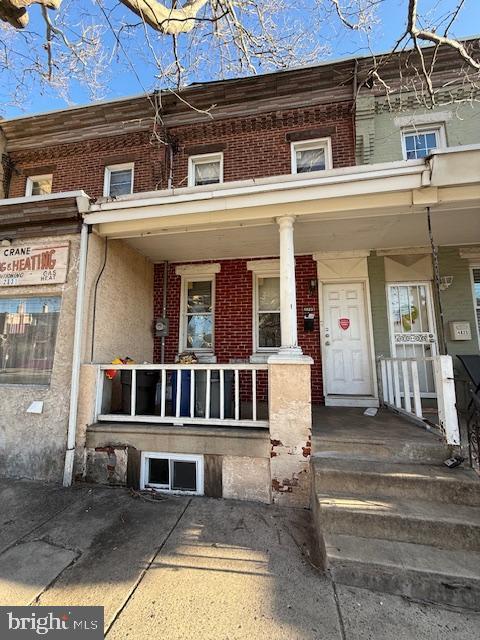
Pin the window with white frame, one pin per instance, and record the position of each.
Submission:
(39, 185)
(205, 169)
(118, 180)
(197, 304)
(420, 142)
(28, 332)
(311, 155)
(176, 473)
(267, 312)
(476, 295)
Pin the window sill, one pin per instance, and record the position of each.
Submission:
(262, 357)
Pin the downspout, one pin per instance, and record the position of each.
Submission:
(76, 359)
(436, 280)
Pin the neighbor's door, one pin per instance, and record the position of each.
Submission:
(412, 328)
(345, 336)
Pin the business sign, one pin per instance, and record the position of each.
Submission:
(33, 264)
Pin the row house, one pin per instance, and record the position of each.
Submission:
(185, 284)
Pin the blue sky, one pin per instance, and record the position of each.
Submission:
(121, 79)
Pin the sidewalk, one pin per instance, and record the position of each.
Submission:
(184, 568)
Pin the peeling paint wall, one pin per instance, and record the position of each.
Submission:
(290, 432)
(33, 446)
(119, 318)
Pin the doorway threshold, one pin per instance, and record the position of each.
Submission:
(351, 401)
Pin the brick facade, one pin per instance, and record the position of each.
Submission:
(253, 147)
(234, 313)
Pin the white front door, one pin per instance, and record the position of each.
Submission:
(345, 338)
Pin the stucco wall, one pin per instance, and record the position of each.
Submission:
(378, 129)
(33, 446)
(119, 319)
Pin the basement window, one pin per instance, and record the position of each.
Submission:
(312, 155)
(118, 180)
(39, 185)
(205, 169)
(172, 472)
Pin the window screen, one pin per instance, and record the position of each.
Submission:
(120, 182)
(28, 331)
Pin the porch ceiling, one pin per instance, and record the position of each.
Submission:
(371, 232)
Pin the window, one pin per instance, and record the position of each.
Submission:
(267, 313)
(28, 330)
(198, 315)
(419, 143)
(205, 169)
(312, 155)
(476, 295)
(118, 180)
(178, 473)
(39, 185)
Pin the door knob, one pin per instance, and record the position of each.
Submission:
(327, 342)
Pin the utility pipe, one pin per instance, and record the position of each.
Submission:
(76, 359)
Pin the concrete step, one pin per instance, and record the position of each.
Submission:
(460, 486)
(417, 571)
(427, 450)
(429, 523)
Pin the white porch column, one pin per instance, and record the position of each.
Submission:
(288, 293)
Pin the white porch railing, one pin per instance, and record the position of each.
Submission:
(183, 388)
(401, 391)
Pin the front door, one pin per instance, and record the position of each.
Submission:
(412, 328)
(345, 336)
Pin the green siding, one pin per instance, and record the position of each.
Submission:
(378, 298)
(457, 300)
(378, 139)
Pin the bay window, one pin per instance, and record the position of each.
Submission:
(28, 331)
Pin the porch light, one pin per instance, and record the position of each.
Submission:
(445, 282)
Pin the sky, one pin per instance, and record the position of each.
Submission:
(123, 80)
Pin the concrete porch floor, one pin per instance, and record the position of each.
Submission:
(347, 430)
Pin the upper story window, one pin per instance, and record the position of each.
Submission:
(28, 331)
(205, 169)
(39, 185)
(419, 143)
(311, 155)
(197, 307)
(118, 180)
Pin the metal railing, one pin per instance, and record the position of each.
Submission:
(197, 394)
(402, 391)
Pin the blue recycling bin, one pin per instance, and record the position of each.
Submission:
(185, 392)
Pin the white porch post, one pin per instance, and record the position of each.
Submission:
(288, 294)
(289, 392)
